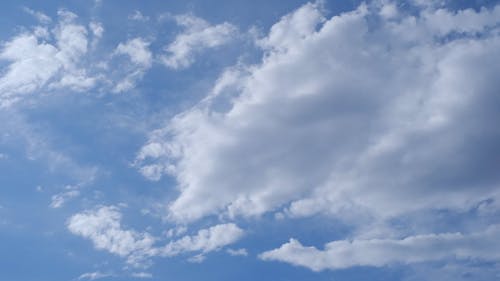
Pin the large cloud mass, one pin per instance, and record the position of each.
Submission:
(380, 122)
(374, 111)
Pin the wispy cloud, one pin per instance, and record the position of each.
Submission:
(197, 36)
(94, 275)
(41, 17)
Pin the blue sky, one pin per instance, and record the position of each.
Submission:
(269, 140)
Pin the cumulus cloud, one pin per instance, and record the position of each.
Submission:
(137, 50)
(63, 56)
(103, 227)
(294, 27)
(153, 150)
(32, 66)
(344, 116)
(197, 36)
(35, 64)
(382, 252)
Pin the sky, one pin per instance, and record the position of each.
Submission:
(249, 140)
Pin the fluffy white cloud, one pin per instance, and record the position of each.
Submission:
(294, 27)
(138, 52)
(197, 36)
(154, 171)
(443, 22)
(103, 227)
(35, 63)
(381, 252)
(345, 116)
(206, 240)
(32, 66)
(71, 39)
(64, 57)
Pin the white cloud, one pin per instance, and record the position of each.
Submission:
(238, 252)
(138, 52)
(388, 10)
(94, 275)
(71, 39)
(152, 172)
(294, 27)
(66, 16)
(428, 3)
(206, 240)
(443, 22)
(381, 252)
(138, 16)
(103, 227)
(41, 32)
(345, 118)
(197, 36)
(197, 259)
(36, 63)
(58, 200)
(64, 57)
(142, 275)
(173, 232)
(97, 30)
(32, 66)
(155, 171)
(453, 272)
(41, 17)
